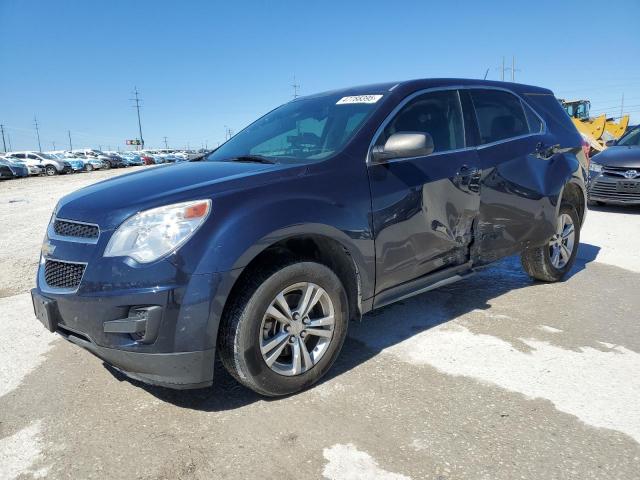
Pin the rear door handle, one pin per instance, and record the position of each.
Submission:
(468, 178)
(546, 152)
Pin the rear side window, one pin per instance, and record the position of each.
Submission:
(500, 115)
(437, 113)
(535, 124)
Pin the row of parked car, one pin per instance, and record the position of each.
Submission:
(25, 163)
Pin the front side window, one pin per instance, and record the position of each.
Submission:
(500, 115)
(309, 128)
(437, 113)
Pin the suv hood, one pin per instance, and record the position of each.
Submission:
(110, 202)
(619, 156)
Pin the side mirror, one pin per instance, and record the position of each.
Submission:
(403, 145)
(610, 143)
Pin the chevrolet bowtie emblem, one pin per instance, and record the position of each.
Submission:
(48, 248)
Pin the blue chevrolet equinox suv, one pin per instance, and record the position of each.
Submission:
(325, 208)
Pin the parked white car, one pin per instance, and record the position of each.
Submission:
(50, 164)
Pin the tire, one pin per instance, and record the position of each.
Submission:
(88, 167)
(50, 170)
(249, 337)
(541, 263)
(107, 165)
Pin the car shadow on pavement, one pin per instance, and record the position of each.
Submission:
(608, 208)
(377, 331)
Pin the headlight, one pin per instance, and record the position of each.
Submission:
(595, 167)
(154, 233)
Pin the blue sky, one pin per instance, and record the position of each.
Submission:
(201, 65)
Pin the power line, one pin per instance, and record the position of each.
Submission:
(35, 122)
(137, 100)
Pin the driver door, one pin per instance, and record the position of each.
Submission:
(424, 207)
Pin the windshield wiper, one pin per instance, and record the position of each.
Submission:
(251, 158)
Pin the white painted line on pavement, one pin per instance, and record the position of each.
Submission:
(346, 462)
(596, 386)
(23, 341)
(20, 451)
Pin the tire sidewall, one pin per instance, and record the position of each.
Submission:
(248, 331)
(50, 170)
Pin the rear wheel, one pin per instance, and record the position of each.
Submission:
(107, 165)
(285, 329)
(88, 167)
(551, 262)
(50, 170)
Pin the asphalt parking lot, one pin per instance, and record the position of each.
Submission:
(494, 377)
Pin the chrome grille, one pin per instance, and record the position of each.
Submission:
(63, 274)
(611, 190)
(66, 228)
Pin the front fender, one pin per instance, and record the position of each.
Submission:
(245, 223)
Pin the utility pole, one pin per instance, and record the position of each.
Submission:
(165, 143)
(35, 122)
(228, 133)
(9, 142)
(3, 142)
(70, 146)
(513, 69)
(137, 100)
(295, 86)
(502, 70)
(485, 74)
(621, 107)
(54, 145)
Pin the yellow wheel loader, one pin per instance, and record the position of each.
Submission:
(596, 131)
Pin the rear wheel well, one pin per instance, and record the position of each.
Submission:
(317, 248)
(573, 194)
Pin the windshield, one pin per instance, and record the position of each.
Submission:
(312, 128)
(47, 156)
(631, 139)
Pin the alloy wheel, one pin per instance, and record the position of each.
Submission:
(297, 329)
(562, 243)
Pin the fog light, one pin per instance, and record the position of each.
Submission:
(142, 324)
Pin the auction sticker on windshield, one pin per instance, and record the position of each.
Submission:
(359, 99)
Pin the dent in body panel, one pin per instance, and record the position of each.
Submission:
(519, 198)
(422, 216)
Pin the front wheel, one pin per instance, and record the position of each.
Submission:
(88, 167)
(285, 329)
(551, 262)
(50, 170)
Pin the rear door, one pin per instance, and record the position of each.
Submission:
(515, 206)
(423, 207)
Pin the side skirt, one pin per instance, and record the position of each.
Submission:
(422, 284)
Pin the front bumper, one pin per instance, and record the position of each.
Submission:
(614, 190)
(176, 351)
(85, 324)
